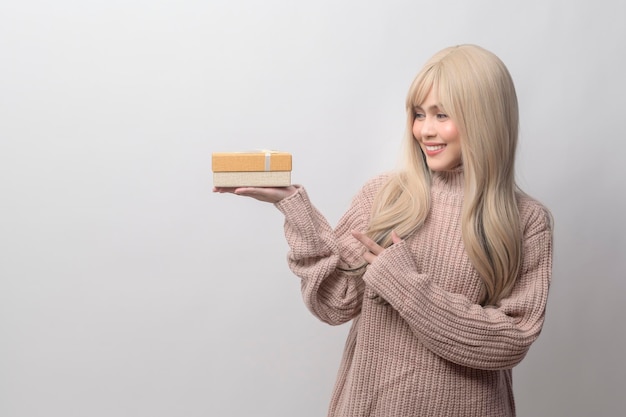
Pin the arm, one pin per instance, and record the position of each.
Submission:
(332, 287)
(325, 259)
(329, 262)
(458, 330)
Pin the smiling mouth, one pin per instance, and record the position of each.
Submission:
(434, 148)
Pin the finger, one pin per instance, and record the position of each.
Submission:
(256, 191)
(395, 238)
(224, 189)
(366, 241)
(267, 194)
(369, 257)
(259, 193)
(247, 191)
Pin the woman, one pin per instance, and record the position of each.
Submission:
(444, 266)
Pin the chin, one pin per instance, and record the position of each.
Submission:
(442, 167)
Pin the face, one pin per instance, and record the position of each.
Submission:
(437, 135)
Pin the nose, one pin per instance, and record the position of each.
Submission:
(428, 128)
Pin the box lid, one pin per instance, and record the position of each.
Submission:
(261, 160)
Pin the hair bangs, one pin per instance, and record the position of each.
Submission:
(421, 87)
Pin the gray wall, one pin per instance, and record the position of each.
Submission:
(127, 288)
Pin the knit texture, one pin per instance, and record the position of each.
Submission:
(432, 350)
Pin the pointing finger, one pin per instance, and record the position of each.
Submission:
(366, 241)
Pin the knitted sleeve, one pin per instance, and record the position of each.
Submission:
(450, 325)
(327, 260)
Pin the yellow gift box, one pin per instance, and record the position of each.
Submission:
(261, 168)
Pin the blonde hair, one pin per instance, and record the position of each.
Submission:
(476, 91)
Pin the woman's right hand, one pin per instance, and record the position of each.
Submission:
(266, 194)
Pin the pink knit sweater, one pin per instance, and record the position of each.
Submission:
(432, 350)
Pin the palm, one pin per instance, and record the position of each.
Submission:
(266, 194)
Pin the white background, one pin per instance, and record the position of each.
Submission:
(128, 288)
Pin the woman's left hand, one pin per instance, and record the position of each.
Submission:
(373, 248)
(370, 255)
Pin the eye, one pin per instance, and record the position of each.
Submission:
(419, 115)
(442, 116)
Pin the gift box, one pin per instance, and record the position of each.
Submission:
(251, 169)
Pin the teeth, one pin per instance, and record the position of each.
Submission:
(435, 148)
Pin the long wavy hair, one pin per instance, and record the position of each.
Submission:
(477, 92)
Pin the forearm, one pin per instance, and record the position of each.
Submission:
(315, 255)
(450, 324)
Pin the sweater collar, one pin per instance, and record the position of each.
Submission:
(449, 181)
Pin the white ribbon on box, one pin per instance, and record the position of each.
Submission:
(268, 158)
